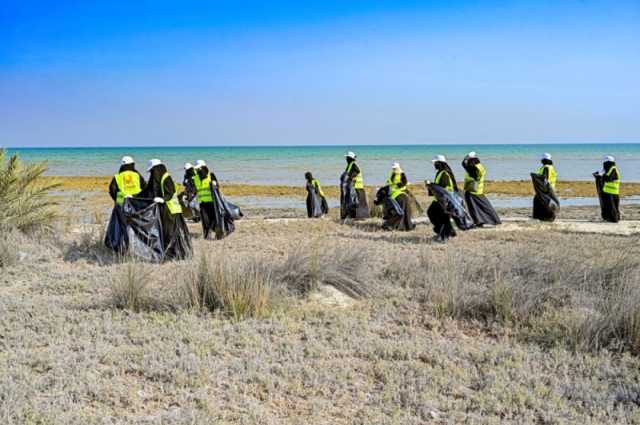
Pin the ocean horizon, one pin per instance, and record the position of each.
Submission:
(286, 165)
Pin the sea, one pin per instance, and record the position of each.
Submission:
(286, 165)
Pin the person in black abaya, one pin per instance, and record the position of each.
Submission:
(315, 197)
(355, 177)
(204, 181)
(175, 234)
(541, 206)
(609, 190)
(130, 174)
(441, 221)
(479, 207)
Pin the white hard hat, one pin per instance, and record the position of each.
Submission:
(608, 158)
(396, 166)
(152, 163)
(200, 163)
(472, 155)
(350, 155)
(127, 160)
(188, 166)
(439, 158)
(546, 156)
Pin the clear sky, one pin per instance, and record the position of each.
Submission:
(157, 72)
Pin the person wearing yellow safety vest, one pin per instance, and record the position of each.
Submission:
(439, 218)
(162, 189)
(550, 176)
(479, 207)
(127, 182)
(315, 197)
(205, 181)
(355, 178)
(609, 189)
(398, 187)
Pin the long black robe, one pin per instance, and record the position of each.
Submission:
(478, 206)
(545, 202)
(113, 186)
(361, 211)
(609, 204)
(438, 217)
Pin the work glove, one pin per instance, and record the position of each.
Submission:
(128, 196)
(158, 200)
(214, 183)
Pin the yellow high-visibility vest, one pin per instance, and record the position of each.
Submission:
(128, 183)
(359, 180)
(173, 204)
(553, 176)
(203, 188)
(393, 181)
(612, 187)
(439, 175)
(475, 186)
(316, 184)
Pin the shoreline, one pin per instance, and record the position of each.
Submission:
(566, 189)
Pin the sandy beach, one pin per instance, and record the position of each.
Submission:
(430, 336)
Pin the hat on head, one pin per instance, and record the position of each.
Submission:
(439, 158)
(396, 166)
(609, 158)
(127, 160)
(152, 163)
(188, 166)
(546, 156)
(350, 155)
(472, 155)
(199, 164)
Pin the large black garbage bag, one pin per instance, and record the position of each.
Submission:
(391, 209)
(224, 216)
(190, 206)
(545, 203)
(147, 230)
(233, 209)
(314, 202)
(453, 204)
(348, 197)
(481, 210)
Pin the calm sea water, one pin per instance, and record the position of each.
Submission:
(287, 165)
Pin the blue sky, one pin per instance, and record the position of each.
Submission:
(81, 73)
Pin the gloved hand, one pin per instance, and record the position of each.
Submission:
(158, 200)
(427, 182)
(596, 174)
(214, 183)
(128, 196)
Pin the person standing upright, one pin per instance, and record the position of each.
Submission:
(354, 178)
(543, 202)
(127, 182)
(479, 207)
(609, 189)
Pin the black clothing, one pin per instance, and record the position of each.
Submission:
(545, 202)
(441, 221)
(316, 203)
(363, 207)
(187, 182)
(405, 222)
(609, 203)
(204, 171)
(113, 186)
(349, 209)
(481, 210)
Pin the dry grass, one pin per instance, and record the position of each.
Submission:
(129, 287)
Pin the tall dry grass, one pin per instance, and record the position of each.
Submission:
(566, 293)
(129, 286)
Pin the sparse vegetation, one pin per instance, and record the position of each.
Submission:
(24, 195)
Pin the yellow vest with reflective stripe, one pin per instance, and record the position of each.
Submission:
(173, 204)
(393, 181)
(128, 183)
(439, 175)
(203, 188)
(612, 187)
(553, 176)
(475, 186)
(358, 181)
(316, 184)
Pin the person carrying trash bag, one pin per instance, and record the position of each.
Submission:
(608, 186)
(545, 202)
(396, 201)
(353, 198)
(479, 207)
(127, 182)
(188, 197)
(316, 201)
(216, 213)
(161, 188)
(448, 204)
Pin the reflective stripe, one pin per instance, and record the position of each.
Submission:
(128, 183)
(612, 187)
(203, 188)
(173, 204)
(316, 184)
(393, 181)
(475, 186)
(439, 175)
(553, 176)
(358, 181)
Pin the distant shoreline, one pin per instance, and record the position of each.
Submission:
(566, 189)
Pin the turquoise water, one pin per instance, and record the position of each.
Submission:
(286, 165)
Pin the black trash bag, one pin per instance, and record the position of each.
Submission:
(147, 230)
(233, 209)
(545, 203)
(190, 206)
(348, 197)
(314, 202)
(391, 209)
(223, 215)
(481, 210)
(453, 204)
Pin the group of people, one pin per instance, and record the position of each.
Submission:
(200, 185)
(467, 208)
